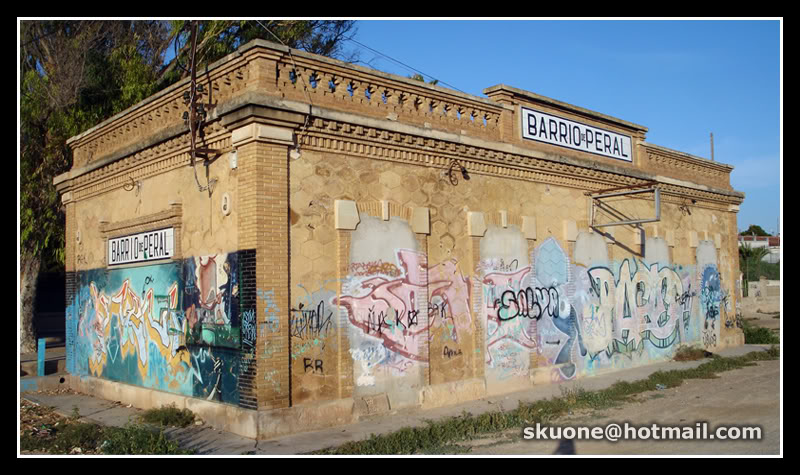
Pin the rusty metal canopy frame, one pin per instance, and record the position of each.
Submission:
(597, 196)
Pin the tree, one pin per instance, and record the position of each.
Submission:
(217, 38)
(75, 74)
(756, 230)
(750, 261)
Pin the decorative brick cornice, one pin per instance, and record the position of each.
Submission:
(700, 169)
(367, 113)
(161, 158)
(126, 132)
(330, 136)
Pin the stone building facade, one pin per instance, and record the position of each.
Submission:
(362, 242)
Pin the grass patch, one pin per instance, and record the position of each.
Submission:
(168, 416)
(754, 335)
(445, 433)
(139, 440)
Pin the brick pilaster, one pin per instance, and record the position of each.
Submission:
(264, 229)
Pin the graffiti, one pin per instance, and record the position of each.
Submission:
(271, 320)
(310, 323)
(144, 326)
(248, 340)
(373, 268)
(139, 324)
(527, 303)
(299, 349)
(249, 328)
(216, 393)
(449, 353)
(641, 302)
(269, 349)
(508, 361)
(712, 304)
(396, 299)
(709, 339)
(497, 265)
(211, 300)
(508, 340)
(448, 306)
(376, 322)
(314, 365)
(273, 378)
(117, 329)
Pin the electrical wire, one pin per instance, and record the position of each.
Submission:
(192, 106)
(404, 65)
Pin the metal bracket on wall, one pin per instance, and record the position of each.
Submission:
(598, 196)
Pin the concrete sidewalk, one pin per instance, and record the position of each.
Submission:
(208, 441)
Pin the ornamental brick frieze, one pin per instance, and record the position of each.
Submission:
(670, 162)
(344, 87)
(163, 112)
(147, 163)
(336, 137)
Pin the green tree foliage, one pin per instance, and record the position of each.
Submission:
(752, 266)
(218, 38)
(756, 230)
(75, 74)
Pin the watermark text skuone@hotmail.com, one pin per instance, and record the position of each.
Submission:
(614, 432)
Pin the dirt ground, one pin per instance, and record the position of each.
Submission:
(744, 397)
(749, 396)
(41, 422)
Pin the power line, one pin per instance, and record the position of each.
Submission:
(374, 51)
(404, 65)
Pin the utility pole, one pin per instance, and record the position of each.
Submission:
(712, 146)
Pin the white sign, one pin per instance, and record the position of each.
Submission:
(142, 247)
(570, 134)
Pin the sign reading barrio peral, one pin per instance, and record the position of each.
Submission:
(556, 130)
(142, 247)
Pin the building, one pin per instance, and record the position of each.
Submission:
(772, 243)
(353, 242)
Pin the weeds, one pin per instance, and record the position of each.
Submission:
(61, 435)
(442, 435)
(139, 440)
(754, 335)
(169, 416)
(64, 439)
(91, 438)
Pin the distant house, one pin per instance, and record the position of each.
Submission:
(773, 243)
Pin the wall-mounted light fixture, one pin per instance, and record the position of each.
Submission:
(684, 208)
(452, 176)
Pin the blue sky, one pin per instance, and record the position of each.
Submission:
(682, 79)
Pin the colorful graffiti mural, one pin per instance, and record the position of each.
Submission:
(580, 320)
(178, 327)
(147, 326)
(389, 317)
(211, 291)
(393, 315)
